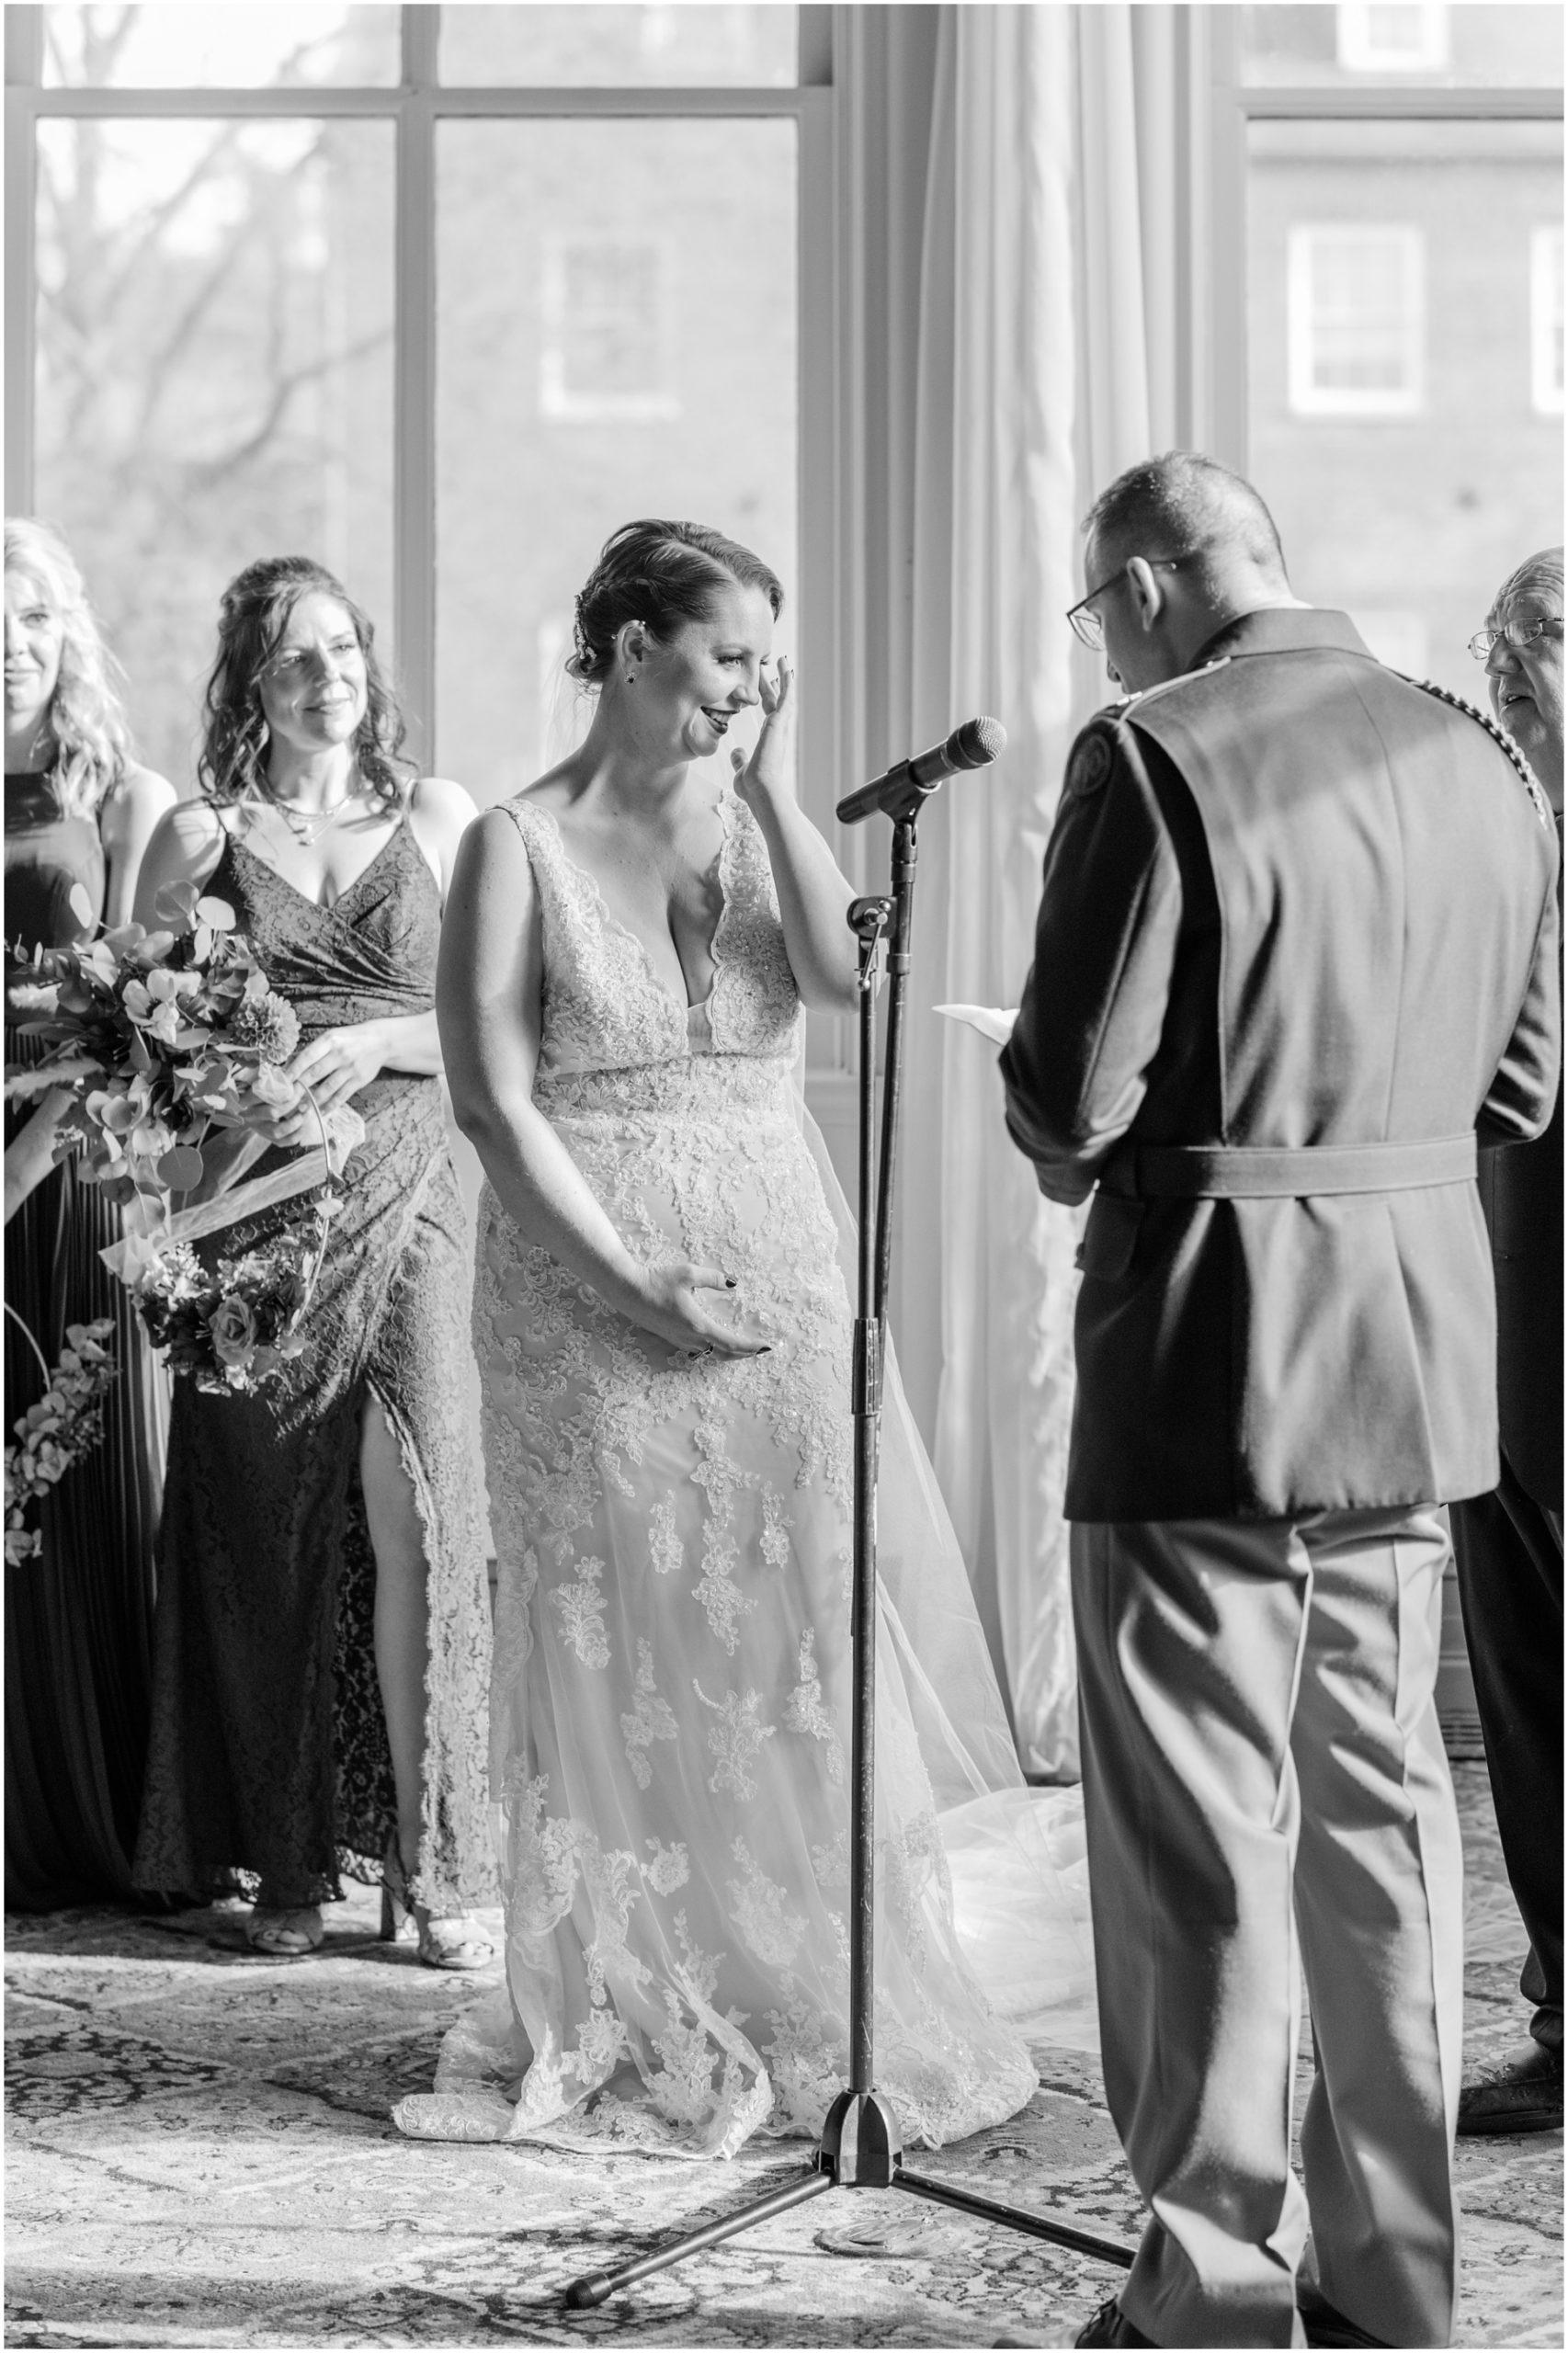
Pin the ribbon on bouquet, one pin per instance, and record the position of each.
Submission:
(150, 1228)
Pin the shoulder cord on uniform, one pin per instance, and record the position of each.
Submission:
(1499, 735)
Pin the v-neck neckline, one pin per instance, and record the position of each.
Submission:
(322, 906)
(699, 1005)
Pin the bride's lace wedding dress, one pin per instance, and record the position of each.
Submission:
(670, 1699)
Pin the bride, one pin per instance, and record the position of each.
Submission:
(663, 1329)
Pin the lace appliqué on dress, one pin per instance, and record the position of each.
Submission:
(735, 1739)
(676, 1967)
(650, 1719)
(804, 1712)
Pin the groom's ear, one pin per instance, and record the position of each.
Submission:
(1146, 592)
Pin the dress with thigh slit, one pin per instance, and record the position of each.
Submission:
(268, 1757)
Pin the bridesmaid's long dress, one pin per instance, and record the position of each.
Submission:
(269, 1759)
(78, 1620)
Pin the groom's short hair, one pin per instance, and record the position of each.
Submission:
(1183, 504)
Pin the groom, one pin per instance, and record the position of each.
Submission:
(1297, 946)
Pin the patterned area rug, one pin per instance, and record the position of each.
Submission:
(200, 2155)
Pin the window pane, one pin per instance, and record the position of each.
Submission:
(570, 47)
(610, 344)
(1356, 320)
(1343, 46)
(1402, 336)
(1546, 317)
(214, 376)
(237, 46)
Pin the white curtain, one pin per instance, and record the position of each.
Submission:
(1044, 367)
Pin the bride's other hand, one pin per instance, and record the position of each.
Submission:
(767, 770)
(671, 1308)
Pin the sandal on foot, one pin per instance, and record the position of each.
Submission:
(287, 1932)
(449, 1941)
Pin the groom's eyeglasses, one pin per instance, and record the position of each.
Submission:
(1086, 623)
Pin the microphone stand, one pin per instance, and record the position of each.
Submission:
(861, 2145)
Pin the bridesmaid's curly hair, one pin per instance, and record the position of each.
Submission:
(661, 574)
(86, 718)
(252, 617)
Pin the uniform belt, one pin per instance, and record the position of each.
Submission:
(1184, 1172)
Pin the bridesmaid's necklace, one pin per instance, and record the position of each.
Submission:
(309, 827)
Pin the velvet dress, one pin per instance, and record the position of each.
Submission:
(78, 1619)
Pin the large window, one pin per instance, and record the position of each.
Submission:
(213, 374)
(616, 336)
(440, 295)
(1392, 222)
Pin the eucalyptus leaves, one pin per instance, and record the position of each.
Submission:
(65, 1423)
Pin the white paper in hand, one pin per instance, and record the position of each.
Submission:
(992, 1021)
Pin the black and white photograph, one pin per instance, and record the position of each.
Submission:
(784, 1225)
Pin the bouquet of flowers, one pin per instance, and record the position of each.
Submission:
(66, 1422)
(170, 1047)
(231, 1326)
(160, 1038)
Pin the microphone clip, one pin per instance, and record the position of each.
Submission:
(868, 920)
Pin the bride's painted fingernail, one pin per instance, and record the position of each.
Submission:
(729, 1282)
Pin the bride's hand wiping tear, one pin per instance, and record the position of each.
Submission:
(767, 770)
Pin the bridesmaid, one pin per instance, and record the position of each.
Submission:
(78, 1620)
(322, 1627)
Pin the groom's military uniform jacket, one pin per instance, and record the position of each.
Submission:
(1297, 948)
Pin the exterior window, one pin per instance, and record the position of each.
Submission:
(225, 387)
(1392, 40)
(606, 317)
(1356, 305)
(642, 392)
(1546, 320)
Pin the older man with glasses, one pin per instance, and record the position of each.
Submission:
(1296, 939)
(1509, 1544)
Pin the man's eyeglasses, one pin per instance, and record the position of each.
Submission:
(1085, 621)
(1516, 634)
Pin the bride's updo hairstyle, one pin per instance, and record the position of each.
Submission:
(661, 574)
(252, 617)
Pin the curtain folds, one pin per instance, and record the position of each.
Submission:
(1045, 361)
(993, 542)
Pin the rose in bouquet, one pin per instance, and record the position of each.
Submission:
(231, 1326)
(65, 1423)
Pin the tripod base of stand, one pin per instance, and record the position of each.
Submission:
(861, 2148)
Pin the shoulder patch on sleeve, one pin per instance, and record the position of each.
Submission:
(1499, 735)
(1091, 763)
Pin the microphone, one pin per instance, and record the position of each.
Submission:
(900, 792)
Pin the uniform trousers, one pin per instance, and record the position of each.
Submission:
(1265, 1790)
(1509, 1550)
